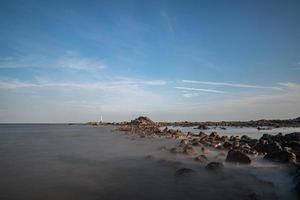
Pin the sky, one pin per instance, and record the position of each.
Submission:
(73, 61)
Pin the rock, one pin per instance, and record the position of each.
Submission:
(297, 188)
(281, 156)
(234, 138)
(169, 163)
(213, 166)
(213, 134)
(189, 150)
(227, 145)
(202, 136)
(253, 196)
(236, 156)
(224, 138)
(177, 150)
(201, 158)
(184, 142)
(165, 130)
(245, 138)
(142, 121)
(184, 171)
(195, 142)
(203, 127)
(292, 136)
(271, 147)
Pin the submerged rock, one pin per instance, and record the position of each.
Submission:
(281, 156)
(213, 166)
(236, 156)
(177, 149)
(184, 171)
(201, 158)
(189, 150)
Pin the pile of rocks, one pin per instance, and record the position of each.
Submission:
(276, 148)
(142, 126)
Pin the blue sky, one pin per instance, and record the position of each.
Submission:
(64, 61)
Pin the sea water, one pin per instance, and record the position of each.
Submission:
(62, 162)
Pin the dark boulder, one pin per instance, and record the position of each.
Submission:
(213, 166)
(292, 136)
(227, 145)
(236, 156)
(281, 156)
(271, 147)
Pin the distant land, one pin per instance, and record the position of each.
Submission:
(276, 123)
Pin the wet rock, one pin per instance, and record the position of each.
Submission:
(177, 150)
(203, 149)
(213, 166)
(236, 156)
(203, 127)
(189, 150)
(202, 136)
(165, 130)
(184, 142)
(169, 163)
(234, 138)
(253, 196)
(292, 136)
(149, 157)
(281, 156)
(227, 145)
(213, 134)
(195, 142)
(271, 147)
(184, 171)
(201, 158)
(245, 138)
(224, 138)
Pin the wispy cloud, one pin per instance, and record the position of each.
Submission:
(167, 21)
(200, 90)
(69, 60)
(128, 80)
(77, 62)
(114, 83)
(240, 85)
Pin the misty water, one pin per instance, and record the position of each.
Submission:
(97, 163)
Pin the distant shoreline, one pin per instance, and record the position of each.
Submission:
(275, 123)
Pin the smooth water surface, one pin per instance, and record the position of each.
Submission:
(65, 162)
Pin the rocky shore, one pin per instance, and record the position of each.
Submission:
(281, 149)
(276, 123)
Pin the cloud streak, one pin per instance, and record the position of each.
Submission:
(200, 90)
(239, 85)
(70, 60)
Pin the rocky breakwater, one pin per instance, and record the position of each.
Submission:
(284, 149)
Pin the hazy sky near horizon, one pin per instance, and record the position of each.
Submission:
(72, 61)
